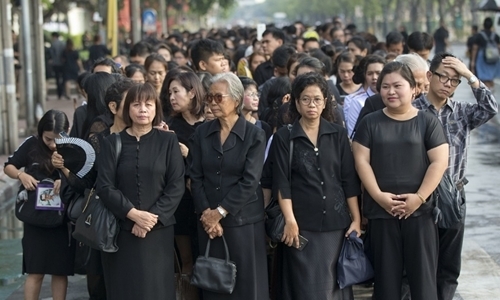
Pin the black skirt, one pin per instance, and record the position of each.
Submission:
(48, 250)
(247, 249)
(142, 268)
(312, 272)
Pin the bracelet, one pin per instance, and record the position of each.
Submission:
(421, 198)
(19, 174)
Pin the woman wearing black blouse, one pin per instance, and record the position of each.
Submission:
(227, 156)
(186, 95)
(320, 202)
(143, 191)
(400, 165)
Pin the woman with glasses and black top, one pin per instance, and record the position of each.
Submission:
(227, 157)
(317, 193)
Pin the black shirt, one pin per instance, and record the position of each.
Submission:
(149, 176)
(397, 156)
(481, 42)
(96, 52)
(263, 72)
(228, 174)
(321, 179)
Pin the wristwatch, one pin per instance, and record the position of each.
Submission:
(472, 79)
(222, 211)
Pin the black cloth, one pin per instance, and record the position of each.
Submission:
(450, 259)
(267, 129)
(263, 72)
(312, 272)
(392, 143)
(143, 268)
(247, 249)
(185, 215)
(322, 178)
(79, 117)
(59, 77)
(264, 101)
(440, 36)
(70, 66)
(45, 250)
(228, 174)
(408, 244)
(155, 180)
(96, 52)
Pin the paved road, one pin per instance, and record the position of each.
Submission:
(480, 278)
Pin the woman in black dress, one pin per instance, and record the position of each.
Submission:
(143, 191)
(45, 250)
(186, 100)
(72, 66)
(227, 157)
(320, 202)
(400, 165)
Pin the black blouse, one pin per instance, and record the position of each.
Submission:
(228, 174)
(149, 176)
(398, 156)
(321, 178)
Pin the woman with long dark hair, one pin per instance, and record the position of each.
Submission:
(45, 250)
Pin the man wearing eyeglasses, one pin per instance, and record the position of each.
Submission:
(458, 119)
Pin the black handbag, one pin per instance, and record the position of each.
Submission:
(353, 266)
(214, 274)
(98, 227)
(76, 205)
(275, 221)
(27, 212)
(448, 209)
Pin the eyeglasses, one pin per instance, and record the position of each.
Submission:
(217, 97)
(307, 101)
(444, 79)
(253, 95)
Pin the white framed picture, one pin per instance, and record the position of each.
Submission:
(46, 199)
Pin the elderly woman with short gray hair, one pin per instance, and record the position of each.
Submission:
(226, 155)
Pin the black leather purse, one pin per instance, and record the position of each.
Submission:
(214, 274)
(275, 221)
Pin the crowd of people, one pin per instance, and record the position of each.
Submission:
(350, 134)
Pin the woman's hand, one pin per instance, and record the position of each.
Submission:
(28, 181)
(217, 231)
(291, 234)
(57, 186)
(57, 160)
(184, 150)
(355, 226)
(163, 126)
(143, 219)
(412, 203)
(210, 218)
(138, 231)
(393, 204)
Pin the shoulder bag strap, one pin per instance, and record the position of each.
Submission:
(291, 156)
(118, 147)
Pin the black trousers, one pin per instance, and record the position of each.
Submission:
(58, 75)
(449, 261)
(410, 245)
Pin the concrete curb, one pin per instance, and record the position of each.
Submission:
(8, 190)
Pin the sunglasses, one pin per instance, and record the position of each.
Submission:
(217, 97)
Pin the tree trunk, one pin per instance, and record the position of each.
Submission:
(398, 13)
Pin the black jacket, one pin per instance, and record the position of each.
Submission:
(228, 175)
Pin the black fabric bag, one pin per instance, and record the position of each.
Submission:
(353, 266)
(214, 274)
(98, 227)
(27, 212)
(82, 258)
(448, 209)
(275, 221)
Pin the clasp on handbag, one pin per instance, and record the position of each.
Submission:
(88, 220)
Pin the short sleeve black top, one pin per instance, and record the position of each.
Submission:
(481, 42)
(322, 178)
(397, 156)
